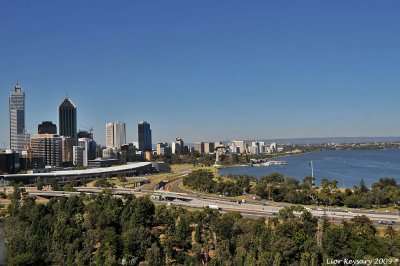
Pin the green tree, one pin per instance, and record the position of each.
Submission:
(39, 183)
(183, 233)
(154, 256)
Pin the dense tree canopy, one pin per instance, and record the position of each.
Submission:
(105, 230)
(276, 187)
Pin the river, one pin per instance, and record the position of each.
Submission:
(348, 167)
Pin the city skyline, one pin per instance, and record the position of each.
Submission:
(207, 72)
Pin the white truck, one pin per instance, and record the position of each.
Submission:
(214, 207)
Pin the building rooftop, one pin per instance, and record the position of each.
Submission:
(86, 172)
(67, 103)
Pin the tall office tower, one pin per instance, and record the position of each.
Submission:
(199, 147)
(67, 123)
(115, 135)
(178, 146)
(18, 137)
(119, 134)
(47, 127)
(144, 136)
(209, 147)
(109, 135)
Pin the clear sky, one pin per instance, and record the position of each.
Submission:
(207, 70)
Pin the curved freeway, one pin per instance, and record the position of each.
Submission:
(224, 205)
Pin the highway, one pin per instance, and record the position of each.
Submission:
(195, 201)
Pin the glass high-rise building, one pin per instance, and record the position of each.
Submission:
(67, 122)
(144, 137)
(18, 136)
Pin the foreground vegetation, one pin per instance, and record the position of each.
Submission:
(276, 187)
(104, 230)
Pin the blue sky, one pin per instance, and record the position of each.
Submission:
(207, 70)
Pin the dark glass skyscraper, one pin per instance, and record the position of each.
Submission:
(144, 132)
(67, 123)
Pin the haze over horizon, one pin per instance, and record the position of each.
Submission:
(206, 70)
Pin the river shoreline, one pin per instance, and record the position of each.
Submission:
(348, 167)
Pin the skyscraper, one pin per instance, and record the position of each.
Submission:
(178, 146)
(199, 147)
(109, 135)
(119, 134)
(115, 134)
(67, 123)
(209, 147)
(18, 137)
(144, 137)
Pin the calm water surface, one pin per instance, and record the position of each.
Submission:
(346, 166)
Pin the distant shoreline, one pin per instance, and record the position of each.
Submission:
(280, 156)
(335, 169)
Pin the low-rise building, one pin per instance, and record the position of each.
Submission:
(148, 155)
(238, 146)
(49, 147)
(163, 148)
(9, 162)
(102, 162)
(128, 153)
(78, 153)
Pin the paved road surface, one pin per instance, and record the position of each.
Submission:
(195, 201)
